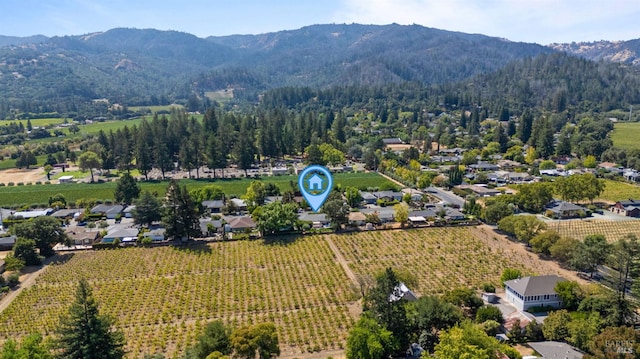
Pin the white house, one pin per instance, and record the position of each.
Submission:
(537, 291)
(156, 235)
(65, 179)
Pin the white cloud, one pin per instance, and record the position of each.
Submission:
(541, 21)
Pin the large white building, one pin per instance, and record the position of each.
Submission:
(537, 291)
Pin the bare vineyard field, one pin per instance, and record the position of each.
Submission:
(163, 297)
(612, 230)
(440, 258)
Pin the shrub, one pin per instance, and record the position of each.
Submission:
(489, 312)
(10, 184)
(13, 280)
(20, 183)
(488, 288)
(509, 274)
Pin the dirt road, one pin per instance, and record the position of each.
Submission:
(27, 280)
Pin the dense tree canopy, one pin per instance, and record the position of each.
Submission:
(86, 334)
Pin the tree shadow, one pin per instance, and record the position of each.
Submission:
(282, 239)
(60, 258)
(196, 247)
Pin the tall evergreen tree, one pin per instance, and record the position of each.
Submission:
(148, 209)
(127, 189)
(501, 137)
(525, 126)
(244, 150)
(84, 333)
(143, 148)
(181, 214)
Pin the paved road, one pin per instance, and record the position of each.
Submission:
(446, 196)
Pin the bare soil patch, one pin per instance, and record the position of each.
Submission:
(17, 175)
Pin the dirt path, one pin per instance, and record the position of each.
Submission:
(26, 281)
(494, 239)
(343, 262)
(402, 185)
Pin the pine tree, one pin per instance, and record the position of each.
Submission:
(181, 215)
(85, 334)
(148, 209)
(525, 126)
(127, 189)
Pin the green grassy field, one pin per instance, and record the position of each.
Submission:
(75, 174)
(36, 122)
(11, 163)
(39, 194)
(616, 191)
(106, 126)
(625, 135)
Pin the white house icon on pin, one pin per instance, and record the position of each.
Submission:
(315, 183)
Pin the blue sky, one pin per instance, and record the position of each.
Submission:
(541, 21)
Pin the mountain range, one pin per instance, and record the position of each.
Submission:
(131, 66)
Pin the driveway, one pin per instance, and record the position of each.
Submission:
(446, 196)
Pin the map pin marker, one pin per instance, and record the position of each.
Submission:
(315, 183)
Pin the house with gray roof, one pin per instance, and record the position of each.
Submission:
(67, 213)
(315, 218)
(109, 211)
(386, 214)
(213, 206)
(122, 234)
(239, 224)
(552, 349)
(562, 209)
(368, 197)
(537, 291)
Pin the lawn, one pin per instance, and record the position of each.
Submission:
(616, 191)
(163, 297)
(11, 163)
(35, 122)
(75, 174)
(625, 135)
(39, 194)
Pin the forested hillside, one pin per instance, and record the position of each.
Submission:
(557, 82)
(142, 67)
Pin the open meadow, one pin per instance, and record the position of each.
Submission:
(163, 297)
(625, 135)
(618, 191)
(39, 194)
